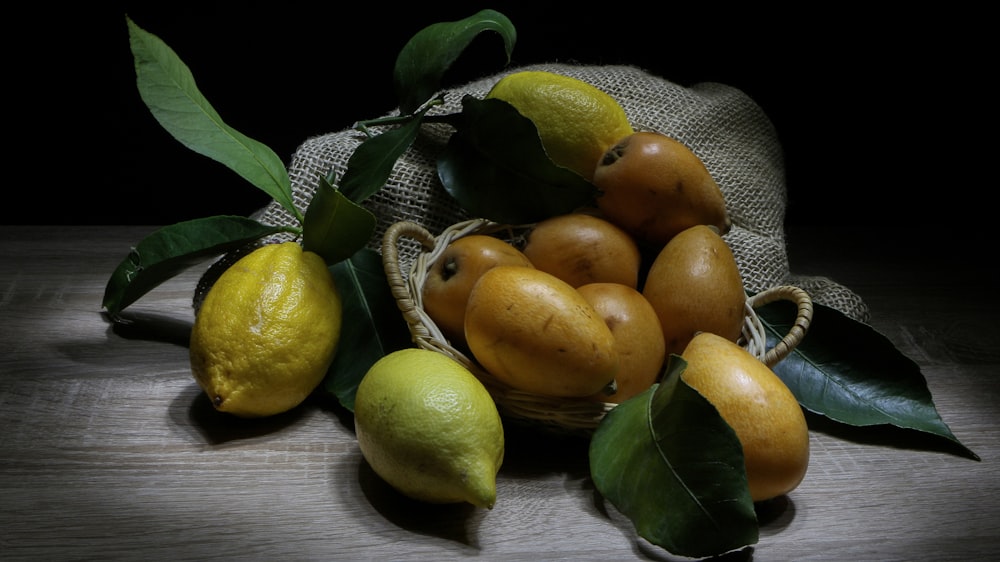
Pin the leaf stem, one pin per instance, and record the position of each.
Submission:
(448, 118)
(292, 229)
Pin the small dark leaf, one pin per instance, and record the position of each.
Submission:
(372, 323)
(335, 227)
(371, 163)
(168, 89)
(669, 462)
(425, 58)
(845, 370)
(172, 249)
(495, 167)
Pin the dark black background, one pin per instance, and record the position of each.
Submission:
(873, 110)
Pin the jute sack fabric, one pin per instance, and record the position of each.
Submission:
(721, 124)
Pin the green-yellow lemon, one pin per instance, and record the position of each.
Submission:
(267, 331)
(576, 121)
(429, 428)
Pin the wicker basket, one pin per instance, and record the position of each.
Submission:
(572, 414)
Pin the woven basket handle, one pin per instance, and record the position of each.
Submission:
(798, 330)
(397, 284)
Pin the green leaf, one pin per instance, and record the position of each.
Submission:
(168, 89)
(172, 249)
(669, 462)
(495, 167)
(372, 161)
(335, 227)
(845, 370)
(372, 323)
(422, 62)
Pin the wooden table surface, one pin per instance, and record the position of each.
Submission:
(108, 450)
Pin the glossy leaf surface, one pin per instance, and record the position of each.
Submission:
(166, 252)
(669, 462)
(168, 89)
(372, 323)
(845, 370)
(335, 227)
(495, 167)
(371, 163)
(423, 61)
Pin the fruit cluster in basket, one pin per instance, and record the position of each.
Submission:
(567, 317)
(567, 307)
(590, 303)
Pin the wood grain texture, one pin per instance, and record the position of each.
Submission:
(108, 450)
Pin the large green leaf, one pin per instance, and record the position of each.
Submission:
(335, 227)
(422, 62)
(669, 462)
(372, 323)
(845, 370)
(495, 167)
(172, 249)
(371, 163)
(168, 89)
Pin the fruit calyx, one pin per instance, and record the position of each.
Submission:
(449, 268)
(613, 154)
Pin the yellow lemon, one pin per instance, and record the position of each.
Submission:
(267, 331)
(429, 428)
(576, 121)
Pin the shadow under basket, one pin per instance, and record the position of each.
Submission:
(573, 415)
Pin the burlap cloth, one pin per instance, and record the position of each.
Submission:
(721, 124)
